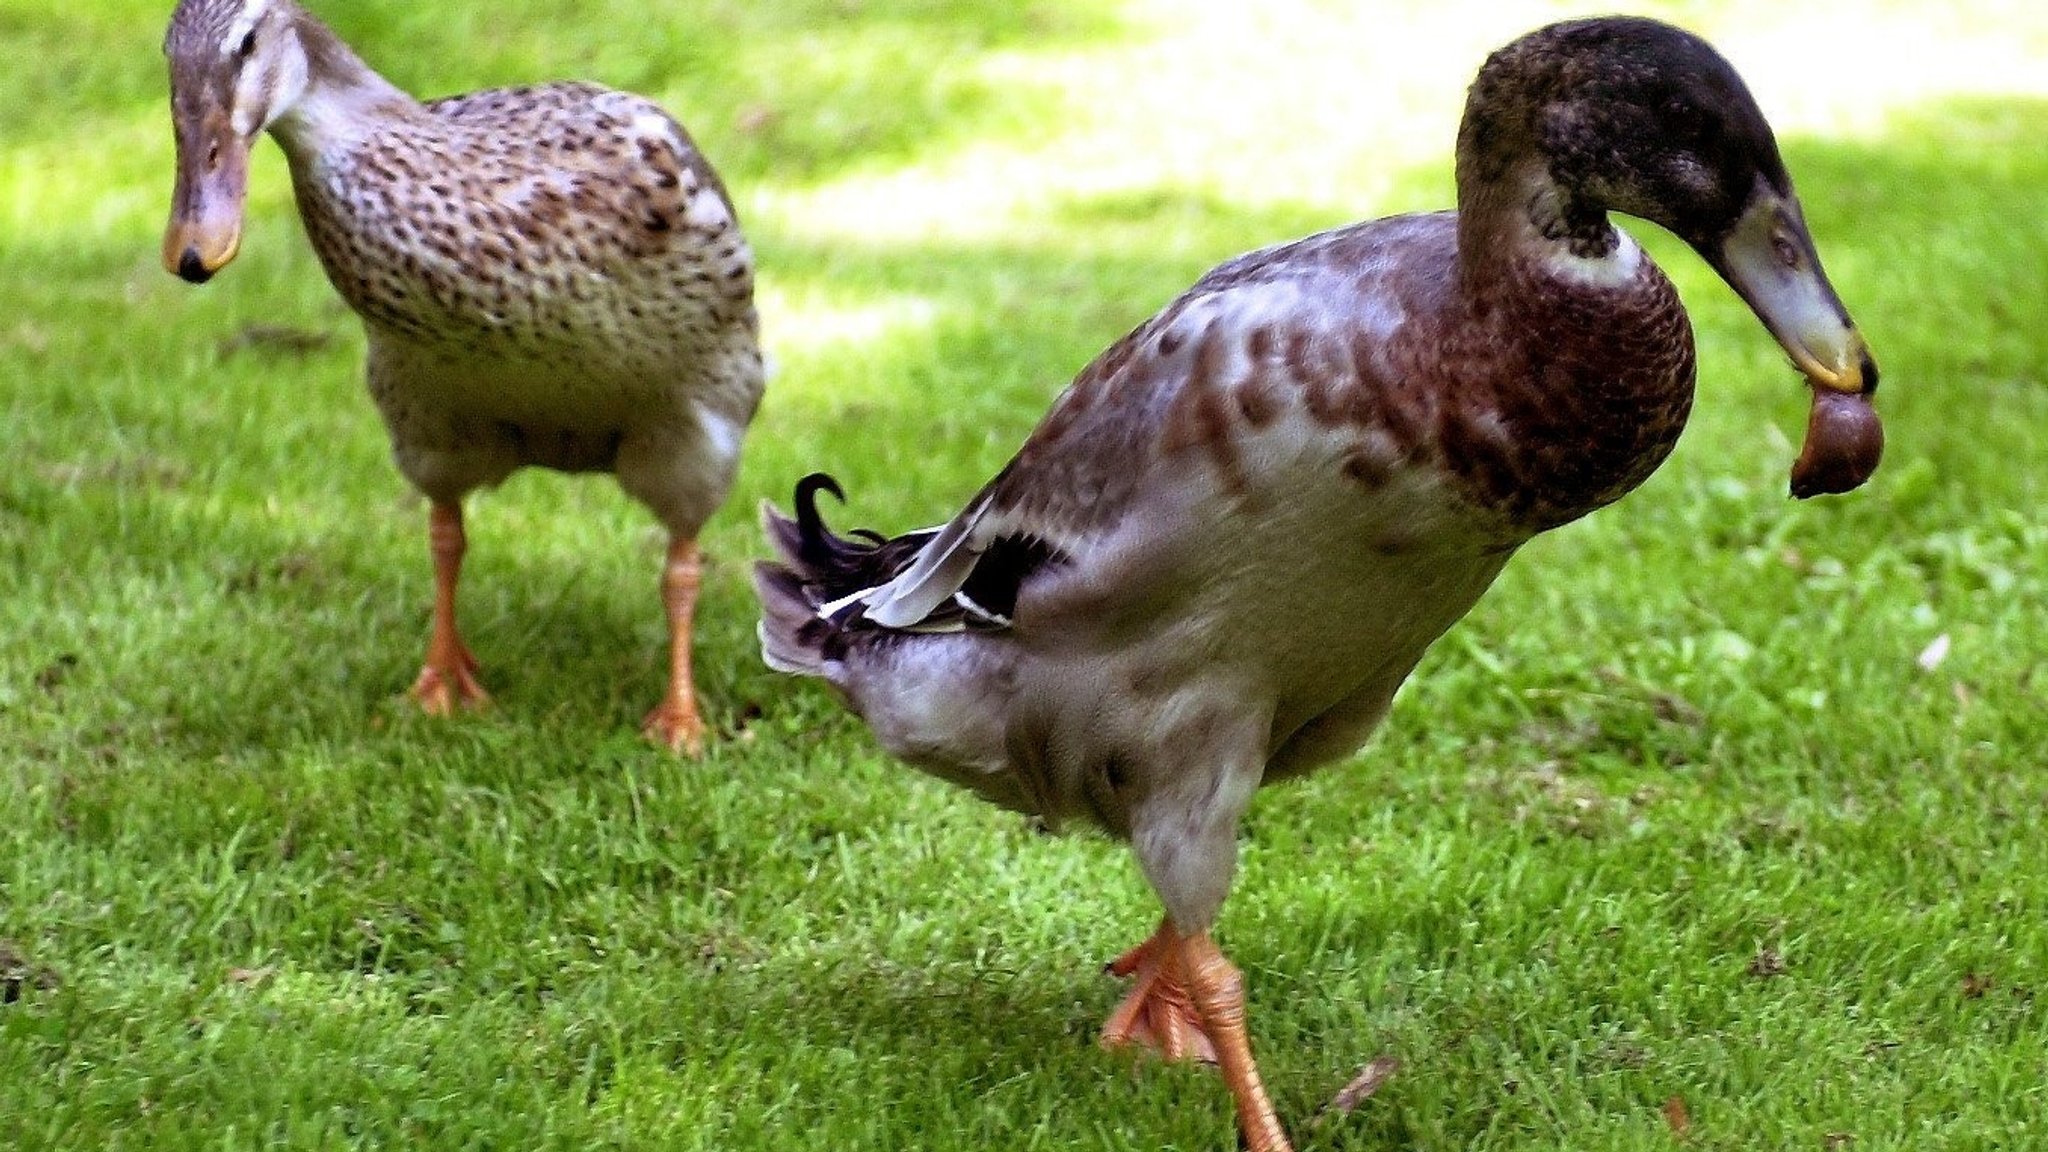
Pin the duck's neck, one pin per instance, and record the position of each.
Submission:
(343, 98)
(1600, 348)
(1513, 212)
(1515, 219)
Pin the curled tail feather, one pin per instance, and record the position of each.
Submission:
(815, 570)
(825, 591)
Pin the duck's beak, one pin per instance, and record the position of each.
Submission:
(205, 230)
(1769, 259)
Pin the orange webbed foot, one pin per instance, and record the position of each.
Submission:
(1157, 1013)
(442, 691)
(676, 726)
(1188, 1004)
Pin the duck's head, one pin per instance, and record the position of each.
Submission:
(1631, 115)
(236, 66)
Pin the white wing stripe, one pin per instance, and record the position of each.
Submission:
(941, 568)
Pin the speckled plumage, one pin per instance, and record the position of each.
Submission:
(1236, 533)
(549, 275)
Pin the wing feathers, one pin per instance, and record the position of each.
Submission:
(940, 570)
(962, 576)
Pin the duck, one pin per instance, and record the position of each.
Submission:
(1232, 537)
(550, 276)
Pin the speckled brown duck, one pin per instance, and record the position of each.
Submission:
(550, 275)
(1232, 538)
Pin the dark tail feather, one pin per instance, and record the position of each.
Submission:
(816, 568)
(815, 544)
(832, 566)
(805, 544)
(792, 636)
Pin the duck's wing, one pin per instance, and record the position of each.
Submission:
(1066, 489)
(575, 148)
(1068, 482)
(1153, 394)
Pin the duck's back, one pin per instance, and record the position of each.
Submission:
(1339, 368)
(1533, 399)
(555, 251)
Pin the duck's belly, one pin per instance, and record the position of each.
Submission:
(492, 385)
(1307, 593)
(1328, 636)
(1336, 679)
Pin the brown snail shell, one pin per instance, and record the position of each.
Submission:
(1844, 441)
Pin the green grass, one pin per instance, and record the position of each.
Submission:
(1674, 813)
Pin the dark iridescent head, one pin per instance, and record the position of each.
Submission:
(1624, 114)
(1628, 115)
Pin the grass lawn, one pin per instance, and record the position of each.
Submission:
(1687, 809)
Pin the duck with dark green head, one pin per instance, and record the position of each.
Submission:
(1233, 537)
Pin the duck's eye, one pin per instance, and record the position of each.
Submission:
(247, 47)
(1787, 252)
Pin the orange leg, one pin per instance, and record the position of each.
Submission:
(675, 722)
(448, 680)
(1189, 1003)
(1218, 990)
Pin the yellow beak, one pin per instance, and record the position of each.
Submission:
(1770, 260)
(205, 229)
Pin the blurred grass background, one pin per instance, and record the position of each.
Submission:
(1676, 813)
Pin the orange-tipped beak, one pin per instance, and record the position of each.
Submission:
(1770, 260)
(205, 230)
